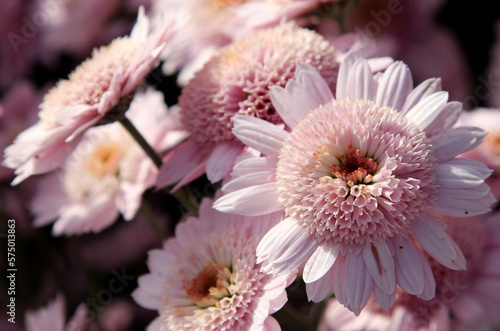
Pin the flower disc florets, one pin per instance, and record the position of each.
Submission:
(237, 80)
(353, 171)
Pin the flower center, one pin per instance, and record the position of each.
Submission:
(237, 80)
(89, 81)
(353, 171)
(355, 168)
(105, 160)
(209, 285)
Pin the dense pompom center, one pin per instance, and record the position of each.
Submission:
(353, 171)
(237, 80)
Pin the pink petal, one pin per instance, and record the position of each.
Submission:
(446, 119)
(321, 288)
(255, 164)
(361, 82)
(457, 141)
(285, 247)
(380, 264)
(410, 266)
(344, 75)
(221, 160)
(251, 201)
(179, 162)
(319, 263)
(301, 95)
(359, 283)
(461, 173)
(270, 324)
(386, 301)
(463, 206)
(147, 295)
(251, 179)
(259, 134)
(429, 233)
(395, 85)
(192, 175)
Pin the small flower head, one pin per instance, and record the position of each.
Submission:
(237, 79)
(207, 278)
(107, 172)
(97, 92)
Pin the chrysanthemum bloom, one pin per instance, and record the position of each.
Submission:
(53, 318)
(207, 278)
(236, 81)
(97, 92)
(465, 299)
(362, 179)
(107, 173)
(217, 23)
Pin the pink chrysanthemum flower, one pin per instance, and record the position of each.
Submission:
(97, 92)
(216, 23)
(362, 179)
(236, 81)
(465, 299)
(108, 171)
(207, 278)
(53, 318)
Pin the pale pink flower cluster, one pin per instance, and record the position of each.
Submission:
(280, 157)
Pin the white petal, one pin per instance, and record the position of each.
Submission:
(259, 134)
(321, 288)
(319, 263)
(394, 87)
(254, 164)
(252, 179)
(409, 266)
(344, 75)
(251, 201)
(457, 141)
(361, 84)
(221, 161)
(359, 283)
(446, 119)
(426, 88)
(463, 206)
(424, 112)
(461, 173)
(430, 234)
(302, 94)
(386, 301)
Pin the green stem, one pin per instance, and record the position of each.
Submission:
(147, 211)
(186, 198)
(141, 141)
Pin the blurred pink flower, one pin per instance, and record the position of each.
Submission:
(465, 299)
(53, 318)
(489, 150)
(214, 24)
(237, 81)
(18, 109)
(97, 92)
(107, 173)
(362, 179)
(207, 278)
(19, 43)
(73, 26)
(493, 71)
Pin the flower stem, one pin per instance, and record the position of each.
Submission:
(141, 141)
